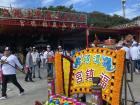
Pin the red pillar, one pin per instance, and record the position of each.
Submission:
(87, 41)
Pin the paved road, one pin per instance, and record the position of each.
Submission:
(33, 91)
(38, 91)
(135, 87)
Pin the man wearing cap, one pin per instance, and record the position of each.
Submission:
(134, 56)
(35, 56)
(127, 55)
(61, 51)
(49, 56)
(9, 63)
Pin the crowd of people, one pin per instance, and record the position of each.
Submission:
(35, 60)
(132, 55)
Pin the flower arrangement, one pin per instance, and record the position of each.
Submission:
(62, 100)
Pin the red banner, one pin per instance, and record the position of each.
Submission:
(47, 15)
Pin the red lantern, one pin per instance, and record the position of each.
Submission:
(22, 23)
(33, 23)
(45, 24)
(54, 25)
(64, 26)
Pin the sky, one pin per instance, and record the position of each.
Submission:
(106, 6)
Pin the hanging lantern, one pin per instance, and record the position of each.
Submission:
(33, 23)
(72, 26)
(64, 26)
(45, 24)
(54, 24)
(22, 23)
(76, 26)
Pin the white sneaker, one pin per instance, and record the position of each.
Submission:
(137, 71)
(3, 98)
(21, 94)
(9, 89)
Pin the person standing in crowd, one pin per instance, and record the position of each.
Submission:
(72, 52)
(0, 71)
(35, 56)
(138, 62)
(9, 62)
(127, 55)
(68, 53)
(49, 59)
(43, 59)
(39, 64)
(29, 65)
(61, 51)
(134, 56)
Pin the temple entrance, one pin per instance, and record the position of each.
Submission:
(20, 38)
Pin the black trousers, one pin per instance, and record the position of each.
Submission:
(29, 75)
(128, 66)
(10, 78)
(50, 69)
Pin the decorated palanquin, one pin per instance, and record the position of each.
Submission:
(75, 76)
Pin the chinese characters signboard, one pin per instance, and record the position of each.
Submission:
(98, 62)
(93, 62)
(37, 14)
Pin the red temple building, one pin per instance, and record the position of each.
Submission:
(22, 28)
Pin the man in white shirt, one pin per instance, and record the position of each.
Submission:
(138, 62)
(9, 63)
(49, 57)
(35, 56)
(127, 56)
(61, 51)
(134, 56)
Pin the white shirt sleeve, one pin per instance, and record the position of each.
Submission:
(45, 55)
(17, 63)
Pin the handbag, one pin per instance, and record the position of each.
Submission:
(26, 69)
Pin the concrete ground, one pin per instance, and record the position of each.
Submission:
(38, 90)
(33, 91)
(135, 87)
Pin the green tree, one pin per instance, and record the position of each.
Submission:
(136, 18)
(59, 8)
(98, 19)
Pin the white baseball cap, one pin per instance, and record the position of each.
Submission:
(48, 46)
(7, 49)
(59, 46)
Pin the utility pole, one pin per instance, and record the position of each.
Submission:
(123, 7)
